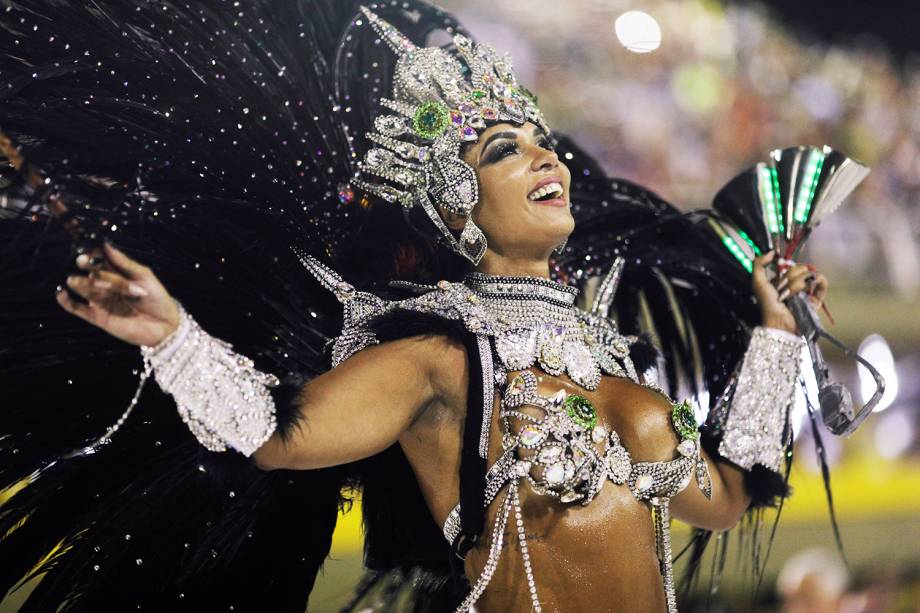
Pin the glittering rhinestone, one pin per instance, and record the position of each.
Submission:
(570, 496)
(377, 158)
(581, 411)
(556, 402)
(581, 365)
(644, 482)
(684, 420)
(516, 348)
(521, 469)
(618, 467)
(456, 118)
(549, 454)
(467, 133)
(551, 358)
(687, 447)
(346, 195)
(477, 94)
(554, 474)
(569, 470)
(598, 434)
(531, 435)
(516, 386)
(488, 113)
(390, 125)
(430, 120)
(443, 285)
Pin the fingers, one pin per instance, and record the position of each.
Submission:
(101, 286)
(763, 260)
(87, 312)
(817, 289)
(125, 265)
(116, 283)
(802, 277)
(760, 271)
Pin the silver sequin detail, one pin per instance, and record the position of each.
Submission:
(764, 394)
(220, 395)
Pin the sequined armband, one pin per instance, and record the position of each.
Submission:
(765, 391)
(220, 395)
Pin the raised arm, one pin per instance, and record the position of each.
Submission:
(754, 433)
(353, 411)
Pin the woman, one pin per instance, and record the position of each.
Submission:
(500, 372)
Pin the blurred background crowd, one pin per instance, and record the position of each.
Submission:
(680, 96)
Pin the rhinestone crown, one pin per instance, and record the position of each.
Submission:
(440, 101)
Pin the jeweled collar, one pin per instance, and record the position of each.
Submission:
(521, 288)
(537, 323)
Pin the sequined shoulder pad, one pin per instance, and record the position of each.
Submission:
(451, 301)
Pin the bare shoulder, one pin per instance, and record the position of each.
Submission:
(642, 417)
(437, 359)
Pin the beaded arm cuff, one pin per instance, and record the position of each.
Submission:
(763, 396)
(220, 395)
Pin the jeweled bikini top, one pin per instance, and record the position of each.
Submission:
(556, 444)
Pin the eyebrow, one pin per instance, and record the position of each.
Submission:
(537, 131)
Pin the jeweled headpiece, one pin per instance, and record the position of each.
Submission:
(440, 101)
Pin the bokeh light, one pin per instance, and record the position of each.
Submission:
(876, 351)
(639, 32)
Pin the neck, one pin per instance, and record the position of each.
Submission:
(493, 263)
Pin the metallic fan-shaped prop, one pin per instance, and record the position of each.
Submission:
(776, 205)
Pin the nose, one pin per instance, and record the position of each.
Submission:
(544, 159)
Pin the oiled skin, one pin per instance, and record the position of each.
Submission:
(413, 391)
(595, 558)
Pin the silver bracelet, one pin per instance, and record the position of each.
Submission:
(763, 396)
(220, 395)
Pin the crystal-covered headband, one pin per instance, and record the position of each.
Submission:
(440, 101)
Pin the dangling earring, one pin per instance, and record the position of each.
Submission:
(558, 250)
(472, 242)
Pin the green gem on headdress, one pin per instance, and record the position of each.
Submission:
(581, 411)
(430, 120)
(684, 420)
(527, 94)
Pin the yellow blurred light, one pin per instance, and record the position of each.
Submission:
(638, 31)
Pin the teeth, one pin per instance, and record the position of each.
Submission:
(549, 188)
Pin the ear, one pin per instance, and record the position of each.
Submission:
(454, 221)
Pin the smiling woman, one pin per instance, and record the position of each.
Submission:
(503, 433)
(523, 198)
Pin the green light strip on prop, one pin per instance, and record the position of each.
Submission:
(736, 251)
(765, 178)
(807, 190)
(748, 240)
(778, 211)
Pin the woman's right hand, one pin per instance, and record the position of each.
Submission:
(123, 297)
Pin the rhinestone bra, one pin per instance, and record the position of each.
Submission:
(556, 444)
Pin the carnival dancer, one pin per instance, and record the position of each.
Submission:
(534, 431)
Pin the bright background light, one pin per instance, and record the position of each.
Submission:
(638, 31)
(876, 351)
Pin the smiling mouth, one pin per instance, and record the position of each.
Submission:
(550, 191)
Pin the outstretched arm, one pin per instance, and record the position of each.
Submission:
(360, 407)
(354, 411)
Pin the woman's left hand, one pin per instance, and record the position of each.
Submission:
(792, 280)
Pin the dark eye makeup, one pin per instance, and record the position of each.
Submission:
(505, 148)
